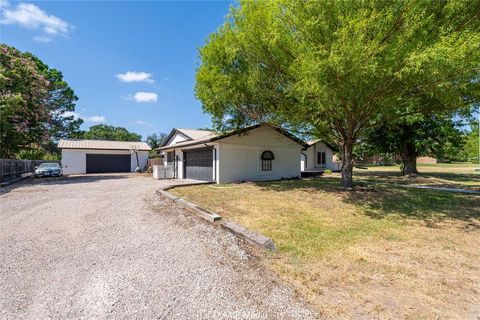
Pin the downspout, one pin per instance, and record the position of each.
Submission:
(138, 163)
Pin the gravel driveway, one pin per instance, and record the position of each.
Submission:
(104, 246)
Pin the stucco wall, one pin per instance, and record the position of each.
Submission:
(239, 156)
(74, 160)
(312, 157)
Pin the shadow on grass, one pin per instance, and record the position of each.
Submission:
(61, 180)
(382, 202)
(397, 176)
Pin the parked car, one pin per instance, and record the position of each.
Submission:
(48, 170)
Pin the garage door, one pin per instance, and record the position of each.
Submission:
(107, 163)
(199, 164)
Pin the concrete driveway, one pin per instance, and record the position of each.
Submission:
(104, 246)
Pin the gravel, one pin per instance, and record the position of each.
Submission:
(106, 247)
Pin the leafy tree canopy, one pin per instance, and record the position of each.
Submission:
(106, 132)
(154, 140)
(411, 137)
(337, 68)
(34, 104)
(472, 140)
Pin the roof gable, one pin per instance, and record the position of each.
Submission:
(187, 135)
(213, 136)
(329, 145)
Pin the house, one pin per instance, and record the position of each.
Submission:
(99, 156)
(319, 155)
(429, 160)
(259, 152)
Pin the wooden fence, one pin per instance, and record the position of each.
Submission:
(155, 161)
(11, 169)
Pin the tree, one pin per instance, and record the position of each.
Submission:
(106, 132)
(412, 137)
(34, 100)
(338, 67)
(472, 142)
(154, 140)
(60, 102)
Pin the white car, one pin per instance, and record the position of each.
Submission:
(48, 170)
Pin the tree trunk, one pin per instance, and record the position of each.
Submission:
(409, 158)
(347, 165)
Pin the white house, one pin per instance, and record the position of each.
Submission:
(318, 155)
(100, 156)
(260, 152)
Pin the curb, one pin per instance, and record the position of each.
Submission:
(202, 213)
(253, 237)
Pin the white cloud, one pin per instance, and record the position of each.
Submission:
(143, 97)
(42, 39)
(4, 3)
(142, 123)
(96, 119)
(132, 76)
(30, 16)
(76, 115)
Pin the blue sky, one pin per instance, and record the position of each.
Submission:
(132, 64)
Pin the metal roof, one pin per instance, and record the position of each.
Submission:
(103, 144)
(331, 146)
(189, 135)
(196, 134)
(214, 137)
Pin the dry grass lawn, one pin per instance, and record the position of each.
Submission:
(388, 253)
(458, 175)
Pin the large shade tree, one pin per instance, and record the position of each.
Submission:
(415, 136)
(35, 104)
(472, 139)
(339, 67)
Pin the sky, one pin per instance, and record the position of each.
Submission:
(131, 64)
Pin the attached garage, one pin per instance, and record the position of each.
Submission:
(199, 164)
(257, 153)
(99, 156)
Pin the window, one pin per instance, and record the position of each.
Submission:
(321, 158)
(169, 156)
(267, 157)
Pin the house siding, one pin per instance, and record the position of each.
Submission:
(312, 157)
(239, 156)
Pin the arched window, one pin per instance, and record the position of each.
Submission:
(267, 157)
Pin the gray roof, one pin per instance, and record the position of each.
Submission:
(196, 133)
(213, 136)
(103, 144)
(331, 146)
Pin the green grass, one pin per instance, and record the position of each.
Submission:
(452, 175)
(335, 245)
(314, 217)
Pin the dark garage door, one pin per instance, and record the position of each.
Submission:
(198, 164)
(107, 163)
